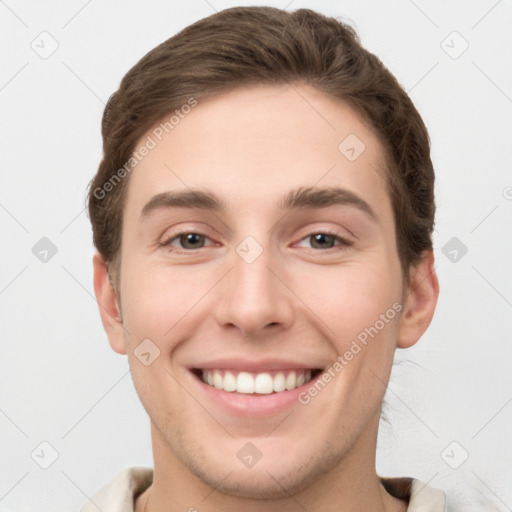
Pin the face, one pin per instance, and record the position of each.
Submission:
(259, 255)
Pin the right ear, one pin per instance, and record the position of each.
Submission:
(108, 305)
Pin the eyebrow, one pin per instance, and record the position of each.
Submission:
(300, 198)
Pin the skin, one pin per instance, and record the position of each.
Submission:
(297, 300)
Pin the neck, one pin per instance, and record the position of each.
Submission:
(350, 485)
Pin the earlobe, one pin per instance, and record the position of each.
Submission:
(420, 301)
(108, 305)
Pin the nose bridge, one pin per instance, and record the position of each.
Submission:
(253, 298)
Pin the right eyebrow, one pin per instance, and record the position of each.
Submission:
(183, 199)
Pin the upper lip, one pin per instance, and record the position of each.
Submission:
(252, 366)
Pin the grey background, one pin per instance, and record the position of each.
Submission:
(60, 381)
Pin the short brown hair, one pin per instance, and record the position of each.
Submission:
(264, 45)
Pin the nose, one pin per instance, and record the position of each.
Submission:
(254, 297)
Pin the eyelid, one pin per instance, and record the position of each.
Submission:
(341, 232)
(184, 228)
(166, 242)
(344, 242)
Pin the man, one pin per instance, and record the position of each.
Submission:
(263, 216)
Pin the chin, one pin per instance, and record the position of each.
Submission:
(274, 478)
(255, 484)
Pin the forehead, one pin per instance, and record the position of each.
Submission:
(254, 144)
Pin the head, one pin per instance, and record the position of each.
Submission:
(265, 196)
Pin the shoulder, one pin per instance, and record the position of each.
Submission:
(419, 495)
(118, 494)
(422, 497)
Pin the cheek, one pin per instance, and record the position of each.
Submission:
(359, 309)
(353, 297)
(159, 301)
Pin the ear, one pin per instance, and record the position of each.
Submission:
(108, 305)
(420, 301)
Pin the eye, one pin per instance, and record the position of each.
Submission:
(188, 241)
(325, 240)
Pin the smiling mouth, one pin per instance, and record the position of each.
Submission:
(263, 383)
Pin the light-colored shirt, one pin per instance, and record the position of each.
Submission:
(120, 493)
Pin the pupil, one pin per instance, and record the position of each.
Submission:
(191, 238)
(321, 238)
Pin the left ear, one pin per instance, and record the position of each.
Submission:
(420, 301)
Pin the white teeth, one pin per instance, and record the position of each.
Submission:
(291, 381)
(229, 383)
(217, 379)
(279, 382)
(245, 383)
(263, 384)
(260, 383)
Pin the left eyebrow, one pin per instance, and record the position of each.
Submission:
(312, 197)
(300, 198)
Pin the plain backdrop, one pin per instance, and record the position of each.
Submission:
(449, 402)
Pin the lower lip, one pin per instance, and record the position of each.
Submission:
(254, 404)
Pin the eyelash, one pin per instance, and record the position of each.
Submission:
(343, 242)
